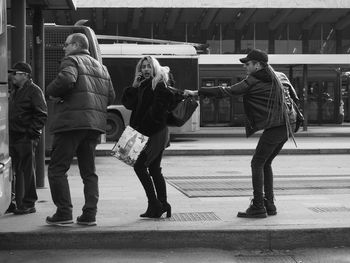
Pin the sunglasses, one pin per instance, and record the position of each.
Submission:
(66, 44)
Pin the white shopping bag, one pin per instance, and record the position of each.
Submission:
(129, 146)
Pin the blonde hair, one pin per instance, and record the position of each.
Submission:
(159, 73)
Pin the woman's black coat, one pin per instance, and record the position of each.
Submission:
(149, 107)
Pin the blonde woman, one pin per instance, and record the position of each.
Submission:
(149, 99)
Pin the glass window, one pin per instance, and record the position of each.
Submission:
(255, 36)
(328, 45)
(345, 43)
(288, 39)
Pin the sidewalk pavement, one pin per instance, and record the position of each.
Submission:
(317, 220)
(302, 221)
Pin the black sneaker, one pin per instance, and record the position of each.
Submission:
(270, 207)
(253, 211)
(86, 220)
(58, 220)
(24, 210)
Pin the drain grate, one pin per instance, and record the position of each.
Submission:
(264, 259)
(329, 209)
(195, 216)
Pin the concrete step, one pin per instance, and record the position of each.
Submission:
(95, 238)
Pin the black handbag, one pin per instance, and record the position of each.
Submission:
(183, 110)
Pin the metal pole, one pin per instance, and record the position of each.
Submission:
(305, 104)
(39, 79)
(18, 34)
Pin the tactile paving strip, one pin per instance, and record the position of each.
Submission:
(224, 186)
(330, 209)
(193, 216)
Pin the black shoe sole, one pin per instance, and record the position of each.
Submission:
(24, 212)
(271, 213)
(58, 223)
(245, 215)
(86, 223)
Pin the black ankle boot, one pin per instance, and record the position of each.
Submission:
(160, 186)
(154, 210)
(255, 210)
(166, 207)
(270, 207)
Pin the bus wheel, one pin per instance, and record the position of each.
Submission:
(115, 127)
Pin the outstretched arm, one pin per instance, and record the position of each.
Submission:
(221, 91)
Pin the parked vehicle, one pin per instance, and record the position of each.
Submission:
(5, 159)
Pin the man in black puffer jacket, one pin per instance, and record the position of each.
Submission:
(81, 93)
(27, 116)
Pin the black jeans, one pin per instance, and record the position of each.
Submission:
(270, 144)
(65, 145)
(22, 152)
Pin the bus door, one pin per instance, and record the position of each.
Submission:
(216, 111)
(345, 102)
(322, 102)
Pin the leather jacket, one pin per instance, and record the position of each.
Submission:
(257, 94)
(27, 111)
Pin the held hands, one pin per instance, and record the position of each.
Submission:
(191, 93)
(138, 79)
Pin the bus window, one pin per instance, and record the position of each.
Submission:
(208, 108)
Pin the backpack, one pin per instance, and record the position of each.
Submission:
(294, 114)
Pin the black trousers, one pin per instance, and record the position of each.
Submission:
(151, 177)
(22, 152)
(65, 145)
(270, 144)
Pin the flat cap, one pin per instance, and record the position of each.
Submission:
(257, 55)
(21, 66)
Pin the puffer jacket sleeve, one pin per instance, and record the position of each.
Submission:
(65, 80)
(129, 98)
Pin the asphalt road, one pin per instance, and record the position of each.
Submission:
(331, 255)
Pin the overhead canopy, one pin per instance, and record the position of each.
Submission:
(203, 18)
(49, 4)
(212, 4)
